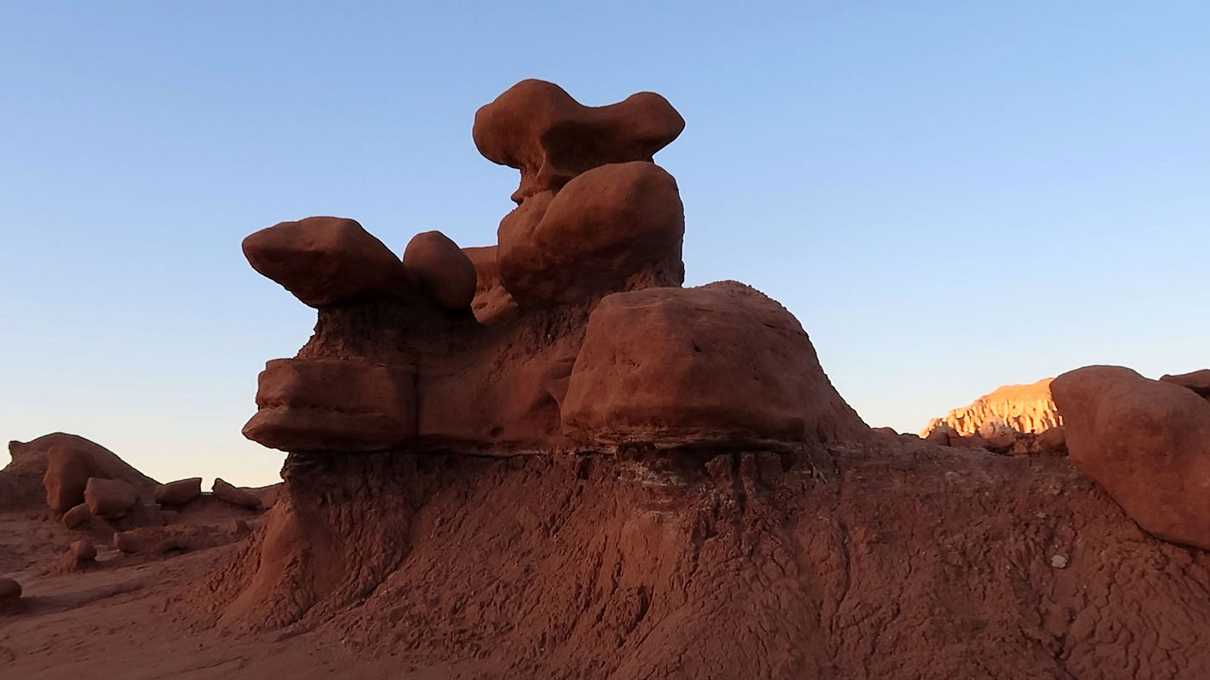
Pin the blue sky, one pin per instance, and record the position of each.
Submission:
(950, 196)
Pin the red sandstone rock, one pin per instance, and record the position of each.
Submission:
(179, 492)
(616, 227)
(436, 265)
(109, 498)
(1198, 381)
(72, 460)
(82, 550)
(1146, 442)
(536, 127)
(325, 260)
(717, 363)
(332, 405)
(77, 517)
(235, 496)
(491, 299)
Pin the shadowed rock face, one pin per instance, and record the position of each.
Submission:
(1147, 442)
(1198, 381)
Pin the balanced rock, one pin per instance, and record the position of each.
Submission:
(1198, 381)
(325, 260)
(180, 492)
(538, 128)
(109, 498)
(437, 266)
(77, 517)
(1146, 442)
(719, 363)
(616, 227)
(235, 495)
(333, 405)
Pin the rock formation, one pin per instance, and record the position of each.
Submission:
(1147, 442)
(1198, 381)
(1022, 408)
(180, 492)
(592, 472)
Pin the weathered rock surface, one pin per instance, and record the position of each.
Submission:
(72, 460)
(325, 260)
(437, 266)
(180, 492)
(1022, 408)
(82, 551)
(538, 128)
(109, 498)
(10, 590)
(1146, 442)
(1198, 381)
(236, 496)
(615, 227)
(491, 299)
(716, 364)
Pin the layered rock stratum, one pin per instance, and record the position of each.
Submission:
(1021, 408)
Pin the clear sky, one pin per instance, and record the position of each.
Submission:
(950, 196)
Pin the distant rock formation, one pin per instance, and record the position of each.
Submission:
(1021, 408)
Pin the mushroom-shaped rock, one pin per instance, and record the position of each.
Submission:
(325, 260)
(617, 227)
(1198, 381)
(77, 517)
(538, 128)
(235, 495)
(491, 299)
(1146, 442)
(10, 591)
(717, 364)
(82, 550)
(180, 492)
(333, 405)
(109, 498)
(436, 265)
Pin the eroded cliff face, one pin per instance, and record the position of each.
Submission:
(1021, 408)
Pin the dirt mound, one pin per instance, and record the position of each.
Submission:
(1021, 408)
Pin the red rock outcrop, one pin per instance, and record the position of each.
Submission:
(1022, 408)
(1198, 381)
(69, 463)
(1147, 442)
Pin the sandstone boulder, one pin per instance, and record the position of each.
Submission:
(717, 364)
(72, 460)
(538, 128)
(82, 551)
(180, 492)
(616, 227)
(325, 260)
(437, 266)
(1146, 442)
(77, 517)
(109, 498)
(235, 495)
(333, 405)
